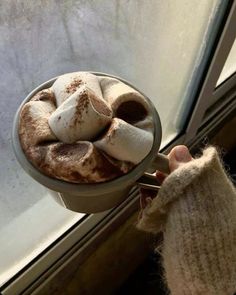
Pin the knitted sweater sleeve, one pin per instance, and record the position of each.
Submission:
(196, 210)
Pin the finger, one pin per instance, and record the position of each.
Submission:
(178, 156)
(160, 176)
(146, 196)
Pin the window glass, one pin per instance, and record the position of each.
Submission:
(229, 67)
(153, 44)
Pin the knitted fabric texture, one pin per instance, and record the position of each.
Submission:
(196, 210)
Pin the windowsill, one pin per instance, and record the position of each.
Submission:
(33, 236)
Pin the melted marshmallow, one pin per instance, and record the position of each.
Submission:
(125, 142)
(81, 117)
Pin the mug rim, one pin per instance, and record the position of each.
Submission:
(62, 186)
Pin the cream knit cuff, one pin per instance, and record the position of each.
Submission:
(154, 215)
(196, 210)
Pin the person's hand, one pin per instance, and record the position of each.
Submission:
(178, 156)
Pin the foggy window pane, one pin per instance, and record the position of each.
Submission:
(154, 44)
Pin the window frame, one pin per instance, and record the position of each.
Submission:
(209, 94)
(92, 229)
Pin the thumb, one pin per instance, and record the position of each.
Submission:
(178, 156)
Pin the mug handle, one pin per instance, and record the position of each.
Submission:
(148, 180)
(161, 163)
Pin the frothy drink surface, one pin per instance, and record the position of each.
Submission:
(86, 129)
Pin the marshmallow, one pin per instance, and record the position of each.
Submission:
(123, 166)
(58, 125)
(125, 142)
(80, 162)
(33, 127)
(146, 124)
(126, 103)
(81, 117)
(67, 84)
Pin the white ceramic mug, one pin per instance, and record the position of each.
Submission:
(94, 197)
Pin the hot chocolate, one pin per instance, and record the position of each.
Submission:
(86, 129)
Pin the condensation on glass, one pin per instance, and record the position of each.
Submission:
(153, 44)
(230, 66)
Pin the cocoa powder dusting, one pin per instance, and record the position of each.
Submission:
(26, 127)
(74, 85)
(45, 95)
(45, 158)
(108, 132)
(105, 168)
(81, 106)
(99, 105)
(75, 176)
(131, 111)
(37, 156)
(123, 166)
(68, 150)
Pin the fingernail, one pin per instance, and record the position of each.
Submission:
(182, 154)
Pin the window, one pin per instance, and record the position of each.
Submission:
(162, 47)
(230, 66)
